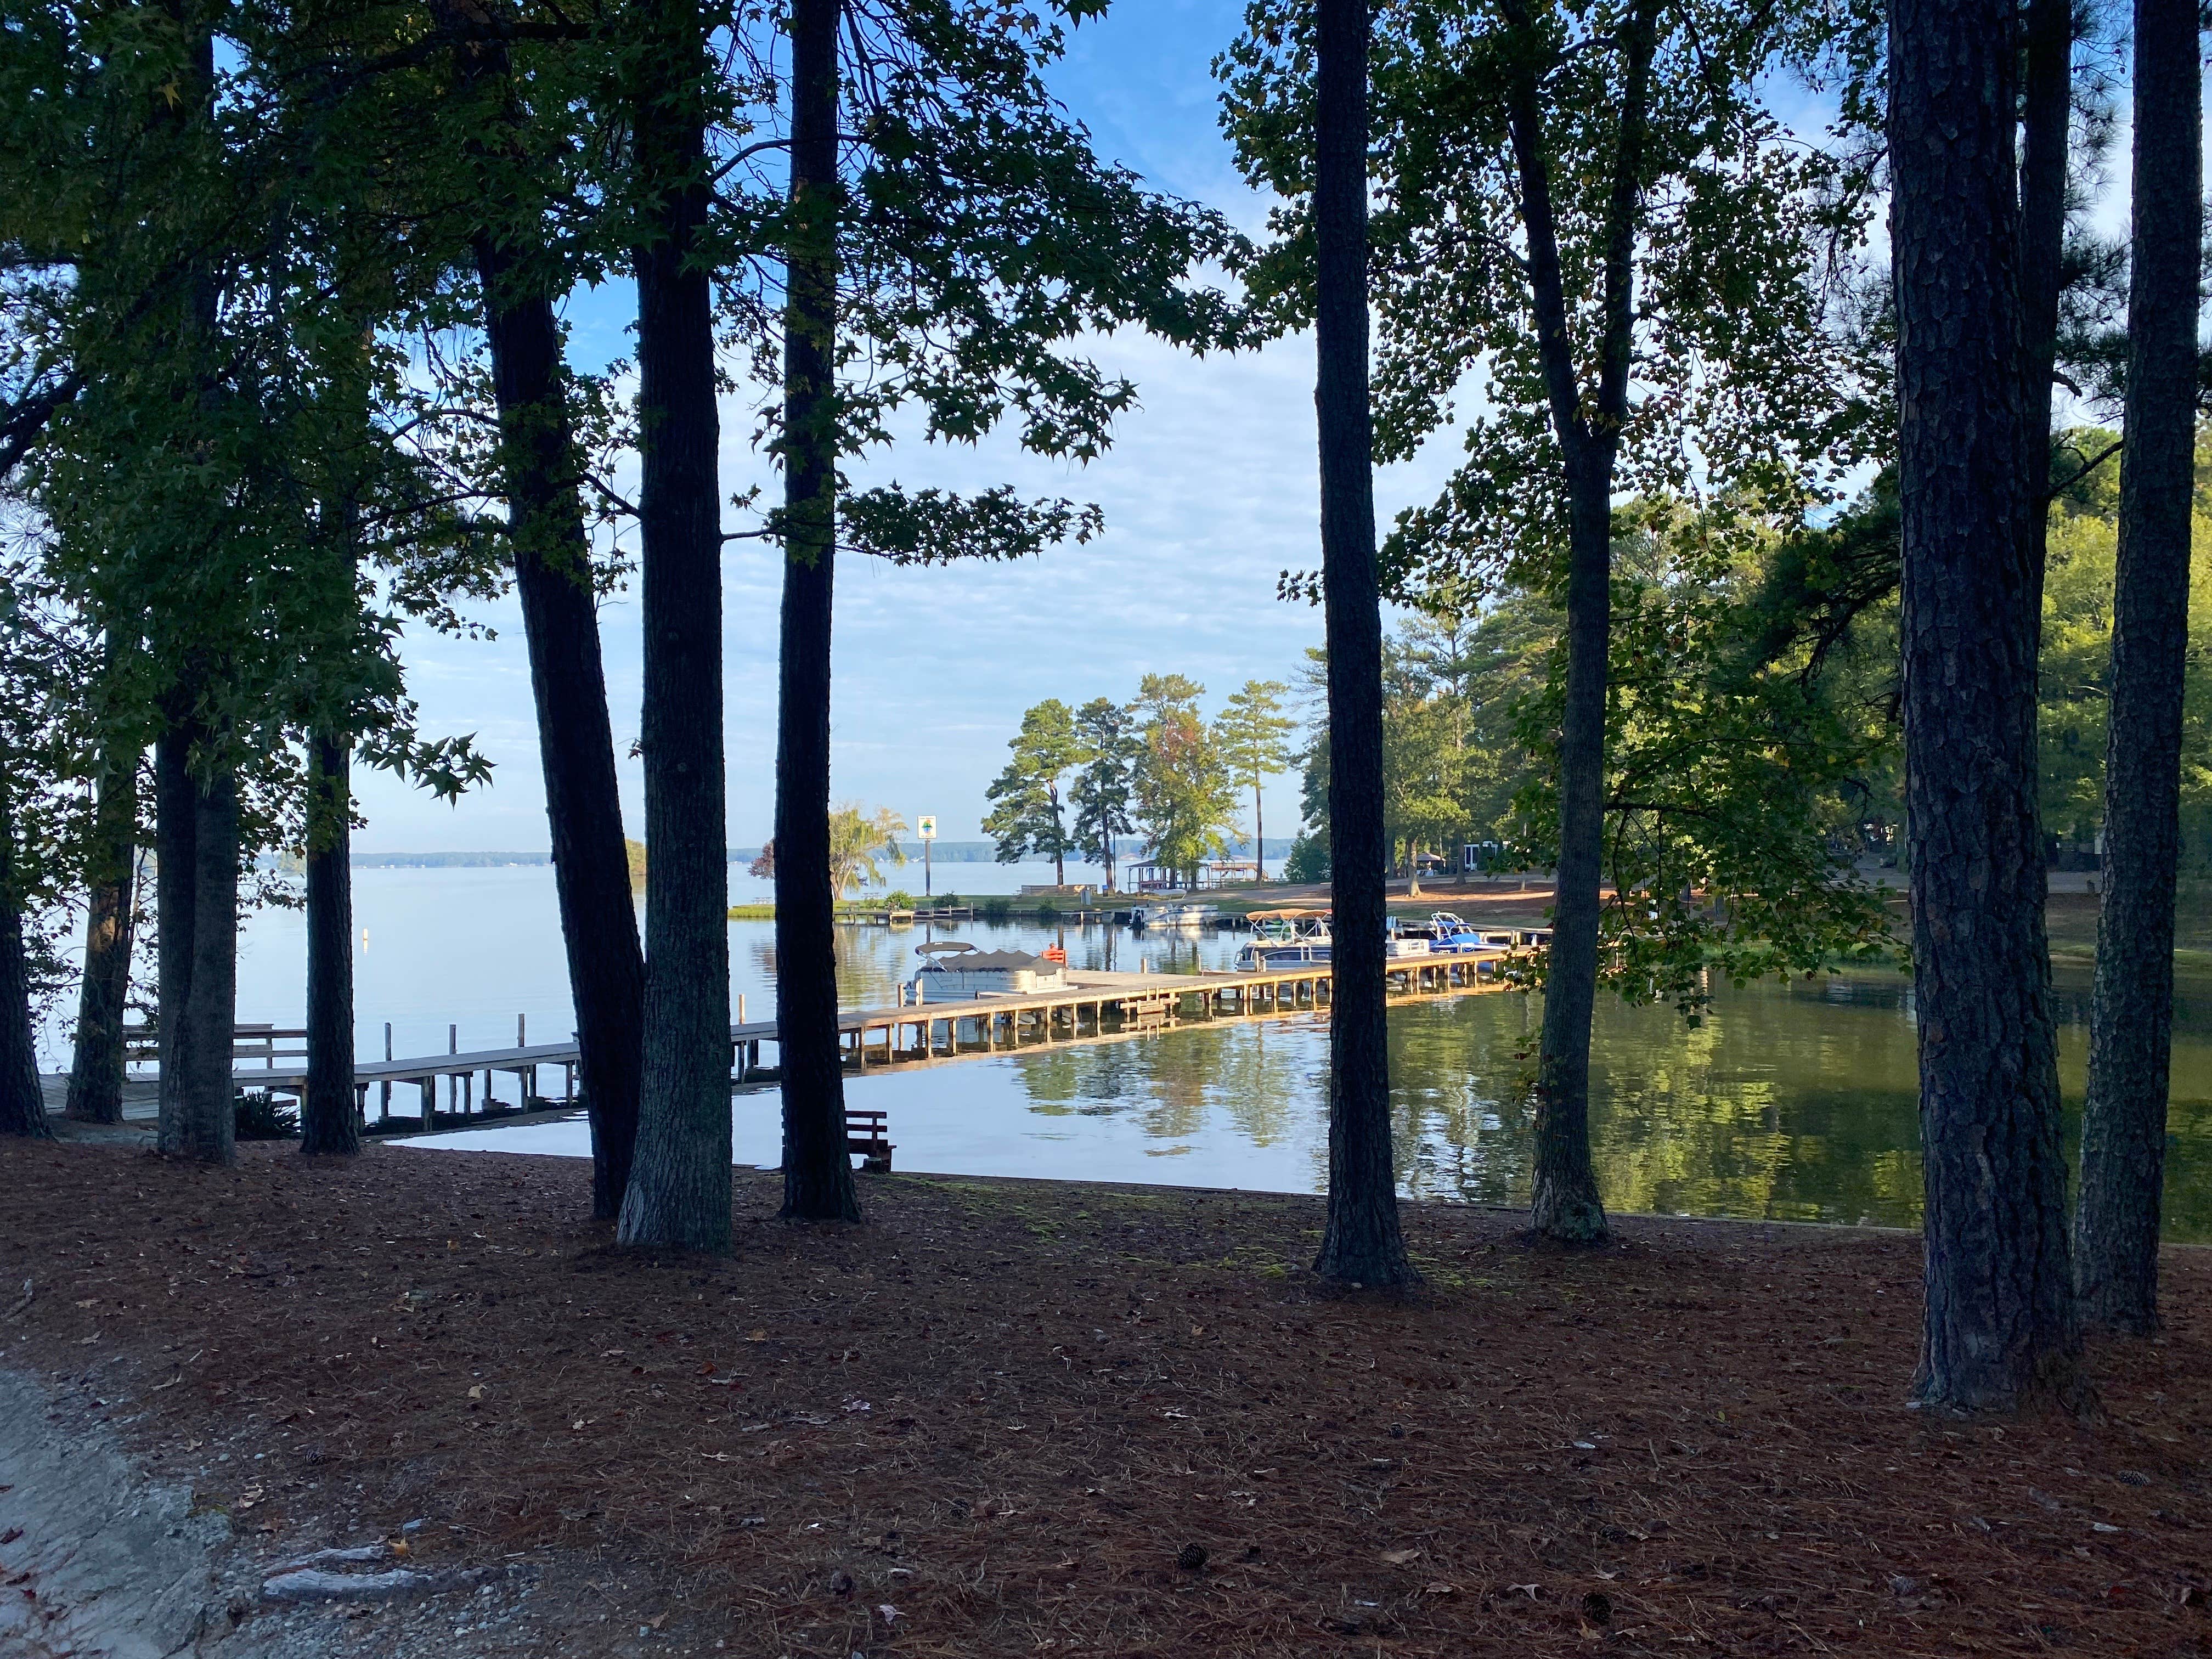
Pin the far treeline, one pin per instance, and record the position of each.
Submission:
(1760, 531)
(1080, 778)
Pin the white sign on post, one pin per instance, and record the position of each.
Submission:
(926, 827)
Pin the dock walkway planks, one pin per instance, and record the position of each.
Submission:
(1092, 1005)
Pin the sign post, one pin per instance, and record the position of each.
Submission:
(925, 828)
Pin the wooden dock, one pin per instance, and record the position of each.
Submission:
(1091, 1006)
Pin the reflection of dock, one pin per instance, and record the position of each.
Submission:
(1091, 1005)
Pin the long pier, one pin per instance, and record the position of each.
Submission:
(1091, 1005)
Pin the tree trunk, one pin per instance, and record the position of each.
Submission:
(575, 735)
(326, 1104)
(818, 1171)
(96, 1071)
(679, 1186)
(1565, 1201)
(1999, 1321)
(197, 892)
(22, 1100)
(567, 682)
(1259, 835)
(1361, 1243)
(176, 828)
(2131, 1013)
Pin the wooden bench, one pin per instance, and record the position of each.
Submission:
(869, 1134)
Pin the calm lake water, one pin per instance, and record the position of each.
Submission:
(1791, 1102)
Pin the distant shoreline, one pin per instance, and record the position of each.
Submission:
(943, 852)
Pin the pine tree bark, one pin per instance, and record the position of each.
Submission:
(679, 1186)
(196, 893)
(22, 1101)
(1362, 1243)
(2131, 1010)
(568, 681)
(576, 733)
(818, 1171)
(96, 1069)
(327, 1122)
(1999, 1323)
(1565, 1205)
(176, 857)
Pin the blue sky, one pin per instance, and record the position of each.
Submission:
(1209, 491)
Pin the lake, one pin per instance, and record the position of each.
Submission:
(1789, 1102)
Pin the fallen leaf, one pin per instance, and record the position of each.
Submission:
(1438, 1586)
(1399, 1557)
(478, 1392)
(887, 1611)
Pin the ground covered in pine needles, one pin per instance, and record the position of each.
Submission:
(1030, 1417)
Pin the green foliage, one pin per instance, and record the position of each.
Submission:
(860, 841)
(1734, 382)
(1453, 749)
(1185, 795)
(1252, 735)
(1104, 792)
(1028, 814)
(258, 1115)
(1309, 858)
(2077, 624)
(1734, 786)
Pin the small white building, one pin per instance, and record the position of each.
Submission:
(957, 976)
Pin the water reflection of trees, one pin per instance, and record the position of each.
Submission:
(1255, 1079)
(1780, 1104)
(1790, 1101)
